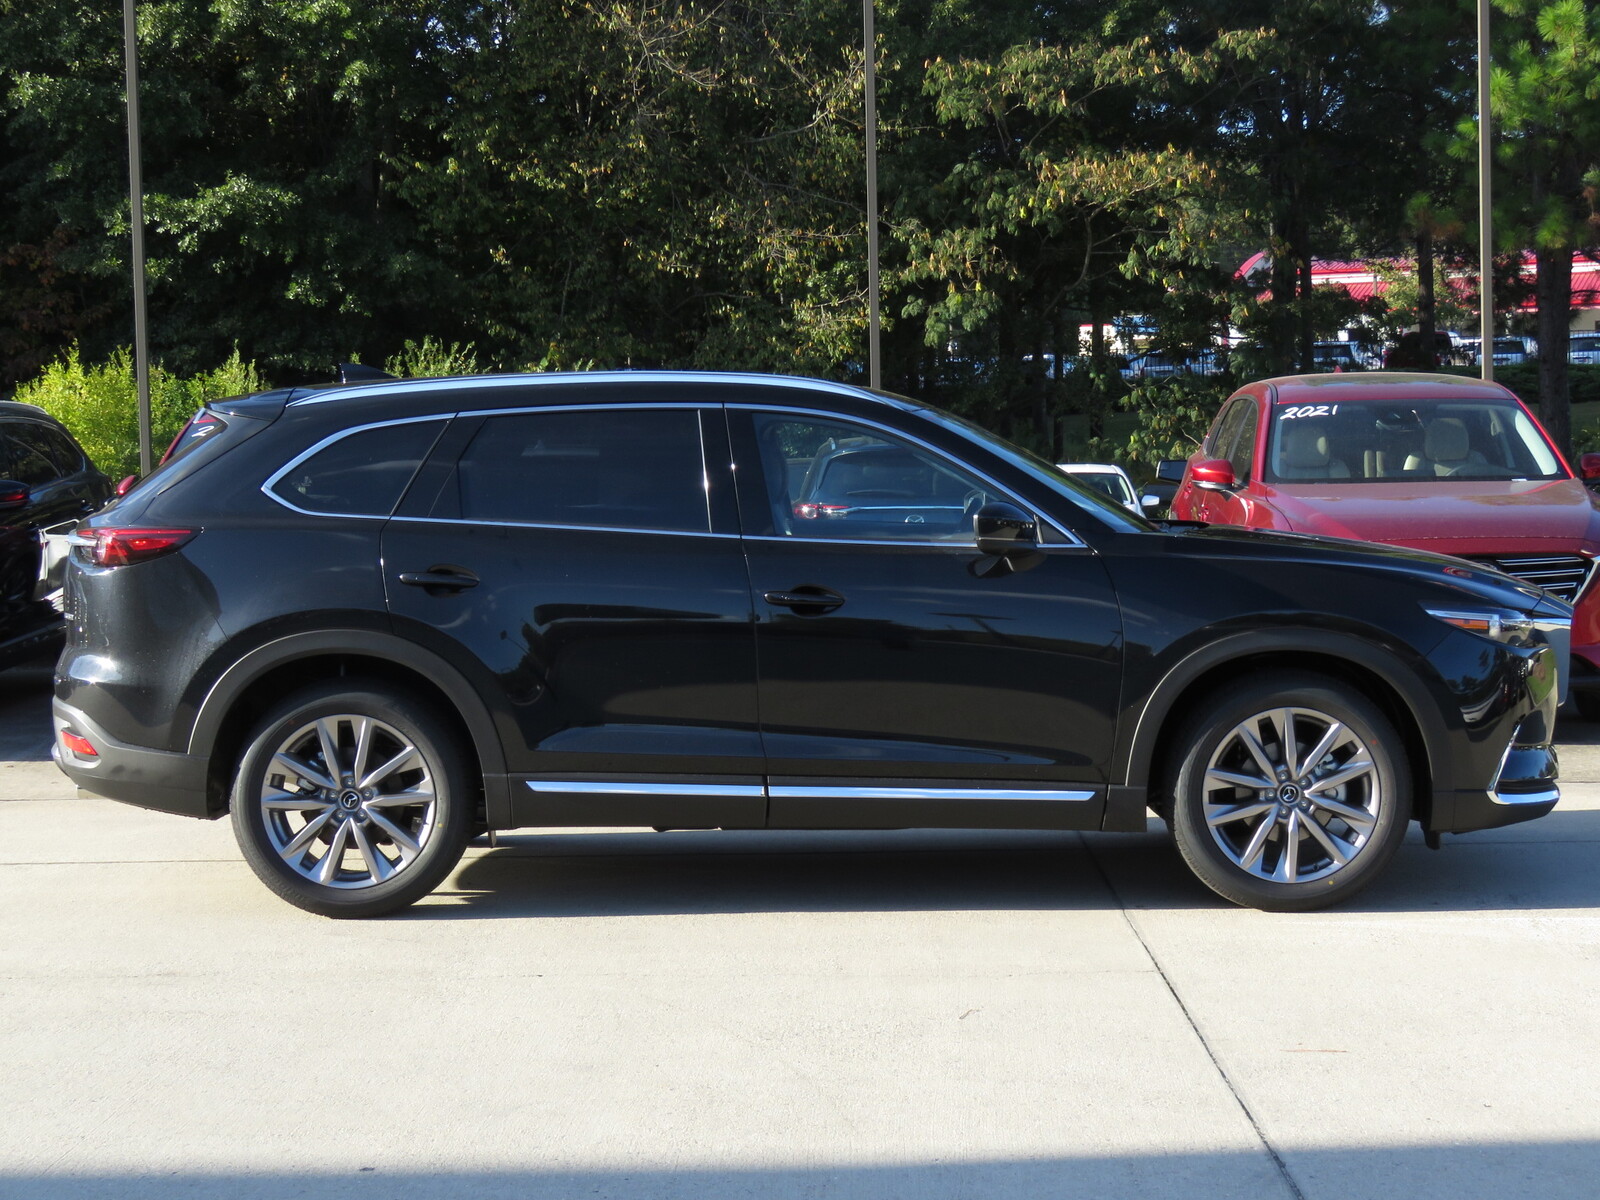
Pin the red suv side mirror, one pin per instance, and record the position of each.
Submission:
(1589, 466)
(1213, 473)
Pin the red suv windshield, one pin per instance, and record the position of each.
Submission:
(1372, 442)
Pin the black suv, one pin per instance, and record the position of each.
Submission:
(376, 620)
(45, 480)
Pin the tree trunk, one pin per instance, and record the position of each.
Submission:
(1098, 369)
(1554, 291)
(1302, 349)
(1425, 299)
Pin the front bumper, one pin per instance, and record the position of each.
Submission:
(158, 779)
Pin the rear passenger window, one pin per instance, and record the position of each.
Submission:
(22, 457)
(362, 474)
(608, 467)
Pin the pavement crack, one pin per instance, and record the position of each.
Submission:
(1216, 1062)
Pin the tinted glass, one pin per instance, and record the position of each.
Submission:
(63, 451)
(1370, 442)
(608, 467)
(1243, 451)
(1227, 426)
(23, 455)
(834, 479)
(363, 473)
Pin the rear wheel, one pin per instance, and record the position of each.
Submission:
(352, 800)
(1292, 793)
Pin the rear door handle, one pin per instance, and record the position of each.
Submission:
(436, 580)
(806, 599)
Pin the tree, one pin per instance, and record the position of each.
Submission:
(1545, 96)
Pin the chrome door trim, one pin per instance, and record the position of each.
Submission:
(591, 787)
(786, 792)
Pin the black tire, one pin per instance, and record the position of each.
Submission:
(397, 833)
(1255, 845)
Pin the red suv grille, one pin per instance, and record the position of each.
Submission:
(1562, 575)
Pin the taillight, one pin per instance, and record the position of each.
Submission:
(122, 547)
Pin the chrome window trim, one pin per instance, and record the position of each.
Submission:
(1073, 540)
(784, 792)
(588, 378)
(907, 543)
(705, 476)
(272, 480)
(702, 533)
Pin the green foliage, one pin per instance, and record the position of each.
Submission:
(1172, 415)
(1523, 379)
(100, 404)
(432, 359)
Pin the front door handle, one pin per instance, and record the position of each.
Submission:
(806, 600)
(438, 580)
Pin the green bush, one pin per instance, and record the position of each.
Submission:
(100, 404)
(432, 359)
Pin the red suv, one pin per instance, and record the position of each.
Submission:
(1435, 462)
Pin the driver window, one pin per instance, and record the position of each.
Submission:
(836, 480)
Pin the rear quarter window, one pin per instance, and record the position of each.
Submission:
(362, 473)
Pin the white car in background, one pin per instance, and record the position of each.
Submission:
(1107, 479)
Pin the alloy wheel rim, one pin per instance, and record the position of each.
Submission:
(348, 801)
(1292, 795)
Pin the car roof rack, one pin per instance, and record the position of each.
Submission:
(356, 373)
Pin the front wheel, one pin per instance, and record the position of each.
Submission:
(352, 800)
(1293, 792)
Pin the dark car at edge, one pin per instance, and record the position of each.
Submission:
(45, 480)
(375, 621)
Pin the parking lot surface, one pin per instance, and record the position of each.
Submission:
(905, 1014)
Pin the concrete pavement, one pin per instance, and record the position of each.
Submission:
(916, 1014)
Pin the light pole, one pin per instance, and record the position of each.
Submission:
(141, 338)
(870, 44)
(1485, 204)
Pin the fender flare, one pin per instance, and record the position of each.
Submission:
(224, 693)
(1374, 659)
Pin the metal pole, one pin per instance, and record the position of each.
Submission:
(141, 333)
(870, 43)
(1485, 204)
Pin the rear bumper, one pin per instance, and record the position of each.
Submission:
(158, 779)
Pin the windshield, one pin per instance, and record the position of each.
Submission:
(1373, 442)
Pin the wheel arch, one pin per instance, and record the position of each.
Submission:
(1371, 670)
(256, 681)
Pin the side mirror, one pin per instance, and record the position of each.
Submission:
(1004, 529)
(14, 494)
(125, 484)
(1171, 469)
(1214, 474)
(1589, 466)
(1147, 501)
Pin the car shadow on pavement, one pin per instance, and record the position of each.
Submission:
(634, 873)
(26, 732)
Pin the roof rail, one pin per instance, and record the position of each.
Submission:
(356, 373)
